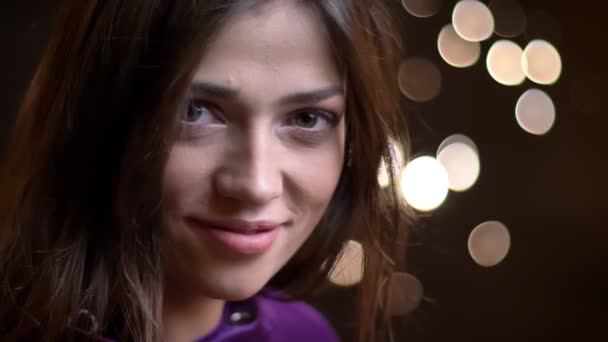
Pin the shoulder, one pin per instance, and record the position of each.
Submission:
(294, 321)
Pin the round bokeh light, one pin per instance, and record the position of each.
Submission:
(541, 62)
(489, 243)
(348, 269)
(422, 8)
(419, 79)
(473, 20)
(504, 63)
(456, 51)
(424, 183)
(462, 164)
(535, 112)
(406, 294)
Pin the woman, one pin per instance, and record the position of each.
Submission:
(176, 161)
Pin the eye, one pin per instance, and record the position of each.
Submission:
(200, 113)
(314, 121)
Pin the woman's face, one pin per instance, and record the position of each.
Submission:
(259, 155)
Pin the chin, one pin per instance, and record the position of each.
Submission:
(234, 292)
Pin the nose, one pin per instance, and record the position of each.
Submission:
(251, 174)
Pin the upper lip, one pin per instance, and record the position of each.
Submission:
(238, 225)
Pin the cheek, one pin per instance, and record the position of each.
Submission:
(318, 171)
(185, 177)
(315, 178)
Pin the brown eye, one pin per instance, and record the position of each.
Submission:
(313, 120)
(306, 120)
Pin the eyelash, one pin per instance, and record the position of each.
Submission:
(331, 118)
(199, 103)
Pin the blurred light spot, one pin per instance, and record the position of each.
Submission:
(422, 8)
(348, 269)
(419, 79)
(473, 20)
(456, 51)
(383, 177)
(457, 138)
(424, 183)
(504, 63)
(509, 17)
(406, 294)
(586, 92)
(543, 25)
(541, 62)
(535, 112)
(461, 161)
(396, 152)
(489, 243)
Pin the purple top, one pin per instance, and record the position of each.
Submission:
(273, 321)
(262, 318)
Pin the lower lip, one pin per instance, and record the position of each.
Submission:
(243, 244)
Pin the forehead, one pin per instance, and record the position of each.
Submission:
(282, 39)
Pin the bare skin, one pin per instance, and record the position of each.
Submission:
(263, 139)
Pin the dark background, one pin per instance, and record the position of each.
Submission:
(549, 190)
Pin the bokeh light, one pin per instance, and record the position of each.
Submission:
(509, 18)
(396, 151)
(456, 51)
(461, 161)
(504, 63)
(457, 138)
(535, 112)
(348, 269)
(489, 243)
(422, 8)
(424, 183)
(384, 179)
(406, 294)
(419, 79)
(473, 20)
(541, 62)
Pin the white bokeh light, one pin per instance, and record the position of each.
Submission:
(348, 269)
(504, 63)
(424, 183)
(489, 243)
(461, 161)
(457, 138)
(535, 112)
(473, 20)
(456, 51)
(396, 152)
(384, 179)
(541, 62)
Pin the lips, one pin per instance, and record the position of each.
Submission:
(246, 238)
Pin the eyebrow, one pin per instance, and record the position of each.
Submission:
(304, 97)
(214, 90)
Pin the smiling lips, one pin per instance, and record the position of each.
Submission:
(247, 238)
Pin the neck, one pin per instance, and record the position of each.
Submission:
(188, 316)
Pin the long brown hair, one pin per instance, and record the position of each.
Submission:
(79, 207)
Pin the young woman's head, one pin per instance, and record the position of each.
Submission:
(191, 149)
(260, 146)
